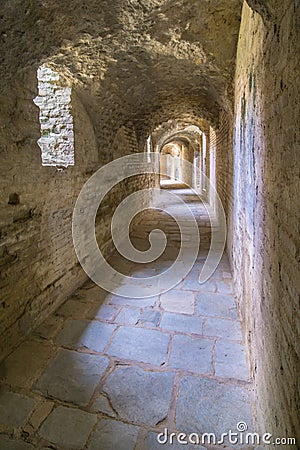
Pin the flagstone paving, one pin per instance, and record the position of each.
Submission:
(106, 372)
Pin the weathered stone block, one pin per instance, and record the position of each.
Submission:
(230, 360)
(113, 435)
(139, 396)
(191, 354)
(137, 344)
(182, 323)
(178, 301)
(15, 408)
(72, 376)
(92, 335)
(206, 406)
(68, 427)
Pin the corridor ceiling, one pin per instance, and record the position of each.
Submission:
(143, 61)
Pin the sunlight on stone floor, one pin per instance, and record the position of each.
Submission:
(107, 372)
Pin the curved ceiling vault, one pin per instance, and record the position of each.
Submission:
(143, 61)
(178, 130)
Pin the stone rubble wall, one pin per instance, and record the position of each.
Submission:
(54, 100)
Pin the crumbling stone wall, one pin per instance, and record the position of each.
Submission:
(264, 237)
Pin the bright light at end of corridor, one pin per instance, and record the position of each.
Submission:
(84, 234)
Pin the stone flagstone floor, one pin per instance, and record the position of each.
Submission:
(108, 373)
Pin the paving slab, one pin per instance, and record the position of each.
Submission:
(93, 335)
(225, 286)
(136, 302)
(182, 323)
(192, 318)
(113, 435)
(178, 301)
(73, 308)
(49, 327)
(162, 265)
(35, 354)
(148, 346)
(139, 396)
(68, 427)
(8, 443)
(104, 312)
(92, 293)
(143, 273)
(230, 360)
(216, 305)
(169, 281)
(191, 282)
(207, 406)
(136, 287)
(224, 328)
(208, 286)
(218, 275)
(15, 409)
(128, 316)
(101, 404)
(41, 411)
(191, 354)
(150, 318)
(72, 376)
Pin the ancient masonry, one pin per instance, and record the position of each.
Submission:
(82, 85)
(54, 100)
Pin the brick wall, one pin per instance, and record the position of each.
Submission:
(38, 265)
(220, 163)
(264, 218)
(224, 171)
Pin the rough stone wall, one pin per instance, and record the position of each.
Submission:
(265, 237)
(39, 268)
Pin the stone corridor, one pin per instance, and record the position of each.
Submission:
(105, 372)
(115, 101)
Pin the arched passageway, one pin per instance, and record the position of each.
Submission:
(172, 155)
(215, 85)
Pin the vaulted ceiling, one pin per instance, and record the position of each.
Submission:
(143, 61)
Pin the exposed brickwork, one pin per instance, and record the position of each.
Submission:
(38, 264)
(140, 68)
(220, 165)
(39, 268)
(265, 237)
(220, 144)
